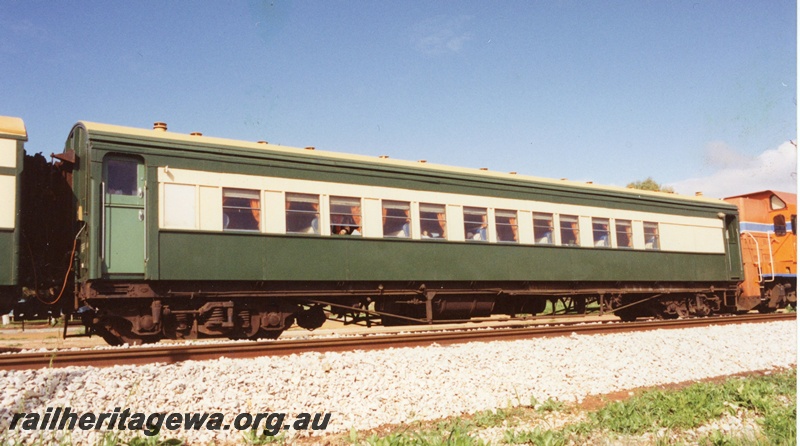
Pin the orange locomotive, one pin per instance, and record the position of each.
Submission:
(768, 228)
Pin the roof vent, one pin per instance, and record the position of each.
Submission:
(383, 157)
(160, 126)
(512, 173)
(311, 148)
(263, 142)
(698, 194)
(196, 134)
(422, 161)
(484, 168)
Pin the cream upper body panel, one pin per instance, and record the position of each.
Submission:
(378, 161)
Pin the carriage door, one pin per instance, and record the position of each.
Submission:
(123, 194)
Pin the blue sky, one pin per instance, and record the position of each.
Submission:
(697, 94)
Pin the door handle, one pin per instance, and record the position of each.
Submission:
(141, 215)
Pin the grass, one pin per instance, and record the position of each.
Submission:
(658, 417)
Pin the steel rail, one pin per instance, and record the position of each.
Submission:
(184, 352)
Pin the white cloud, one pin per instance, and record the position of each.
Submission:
(442, 35)
(736, 174)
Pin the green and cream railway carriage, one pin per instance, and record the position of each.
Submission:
(187, 235)
(12, 140)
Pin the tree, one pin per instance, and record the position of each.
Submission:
(650, 184)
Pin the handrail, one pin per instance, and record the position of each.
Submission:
(102, 220)
(771, 260)
(758, 254)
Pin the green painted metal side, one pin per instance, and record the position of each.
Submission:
(220, 256)
(216, 256)
(8, 267)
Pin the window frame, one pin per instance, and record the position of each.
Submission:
(424, 221)
(779, 225)
(302, 214)
(508, 214)
(575, 230)
(482, 226)
(627, 234)
(656, 244)
(405, 227)
(599, 222)
(549, 233)
(254, 194)
(356, 228)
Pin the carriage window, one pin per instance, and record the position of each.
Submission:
(600, 232)
(624, 234)
(794, 224)
(241, 210)
(506, 224)
(433, 221)
(475, 224)
(345, 216)
(396, 219)
(779, 223)
(302, 213)
(570, 231)
(651, 240)
(121, 176)
(543, 229)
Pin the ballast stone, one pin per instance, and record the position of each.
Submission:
(364, 390)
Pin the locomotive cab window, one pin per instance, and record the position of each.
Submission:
(302, 213)
(651, 238)
(396, 219)
(779, 222)
(624, 234)
(570, 230)
(433, 221)
(543, 229)
(776, 203)
(346, 216)
(475, 224)
(241, 210)
(506, 225)
(600, 232)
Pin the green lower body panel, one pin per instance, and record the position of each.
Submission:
(221, 256)
(8, 261)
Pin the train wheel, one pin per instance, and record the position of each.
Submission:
(117, 331)
(627, 314)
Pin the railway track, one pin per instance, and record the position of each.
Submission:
(184, 352)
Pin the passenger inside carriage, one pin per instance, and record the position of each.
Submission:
(433, 221)
(475, 224)
(396, 219)
(543, 228)
(570, 232)
(241, 210)
(345, 216)
(600, 232)
(651, 238)
(302, 213)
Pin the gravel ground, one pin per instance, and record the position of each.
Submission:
(364, 390)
